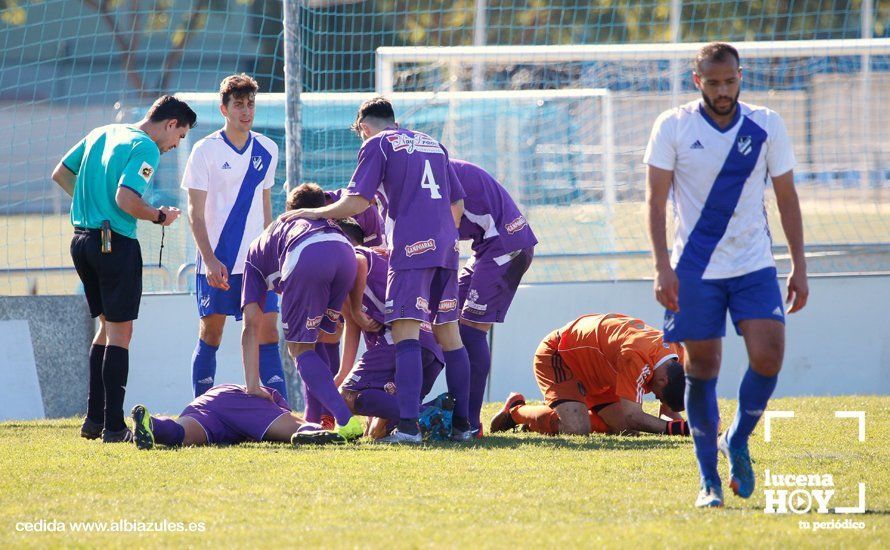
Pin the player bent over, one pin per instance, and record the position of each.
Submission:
(311, 264)
(369, 386)
(226, 415)
(593, 373)
(503, 247)
(714, 156)
(424, 205)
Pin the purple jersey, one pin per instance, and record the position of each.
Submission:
(369, 220)
(412, 172)
(373, 305)
(273, 255)
(491, 218)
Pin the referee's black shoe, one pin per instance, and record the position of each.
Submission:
(90, 429)
(120, 436)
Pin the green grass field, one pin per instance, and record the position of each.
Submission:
(513, 490)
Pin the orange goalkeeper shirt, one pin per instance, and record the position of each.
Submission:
(614, 354)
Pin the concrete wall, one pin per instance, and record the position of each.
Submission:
(839, 344)
(61, 331)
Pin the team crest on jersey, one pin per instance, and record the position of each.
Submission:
(420, 247)
(744, 145)
(332, 223)
(390, 388)
(313, 322)
(422, 304)
(146, 171)
(257, 162)
(446, 306)
(516, 225)
(418, 142)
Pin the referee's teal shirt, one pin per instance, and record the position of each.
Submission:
(109, 157)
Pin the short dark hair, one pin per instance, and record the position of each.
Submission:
(675, 387)
(376, 107)
(238, 86)
(353, 230)
(715, 52)
(168, 107)
(306, 195)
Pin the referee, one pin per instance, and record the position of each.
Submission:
(106, 174)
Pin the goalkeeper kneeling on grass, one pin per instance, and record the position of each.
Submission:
(226, 415)
(593, 373)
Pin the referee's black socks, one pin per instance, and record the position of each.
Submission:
(115, 369)
(96, 397)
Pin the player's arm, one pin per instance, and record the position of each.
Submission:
(665, 411)
(351, 335)
(792, 225)
(217, 274)
(353, 309)
(457, 211)
(658, 186)
(457, 193)
(629, 416)
(253, 297)
(346, 207)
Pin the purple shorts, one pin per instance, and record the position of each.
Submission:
(428, 294)
(487, 285)
(230, 415)
(314, 292)
(377, 370)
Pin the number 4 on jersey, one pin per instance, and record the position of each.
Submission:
(428, 181)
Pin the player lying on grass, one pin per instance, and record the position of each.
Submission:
(226, 415)
(311, 264)
(593, 373)
(368, 386)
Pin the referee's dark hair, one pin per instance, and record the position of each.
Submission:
(306, 195)
(168, 107)
(715, 52)
(376, 107)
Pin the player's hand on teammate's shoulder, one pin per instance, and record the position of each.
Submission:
(667, 288)
(798, 290)
(217, 274)
(305, 213)
(382, 250)
(259, 391)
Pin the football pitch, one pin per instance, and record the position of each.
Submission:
(506, 490)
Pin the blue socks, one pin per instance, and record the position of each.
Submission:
(754, 394)
(203, 367)
(271, 371)
(703, 417)
(457, 377)
(476, 342)
(409, 378)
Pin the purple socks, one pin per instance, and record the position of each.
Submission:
(317, 376)
(476, 343)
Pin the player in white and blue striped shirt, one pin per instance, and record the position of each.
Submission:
(716, 156)
(229, 179)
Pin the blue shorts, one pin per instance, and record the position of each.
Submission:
(704, 302)
(226, 302)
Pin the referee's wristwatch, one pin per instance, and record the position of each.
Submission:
(162, 217)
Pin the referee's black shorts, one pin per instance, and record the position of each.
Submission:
(112, 282)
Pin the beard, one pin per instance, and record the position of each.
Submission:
(725, 111)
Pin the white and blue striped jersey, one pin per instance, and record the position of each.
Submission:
(720, 176)
(234, 180)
